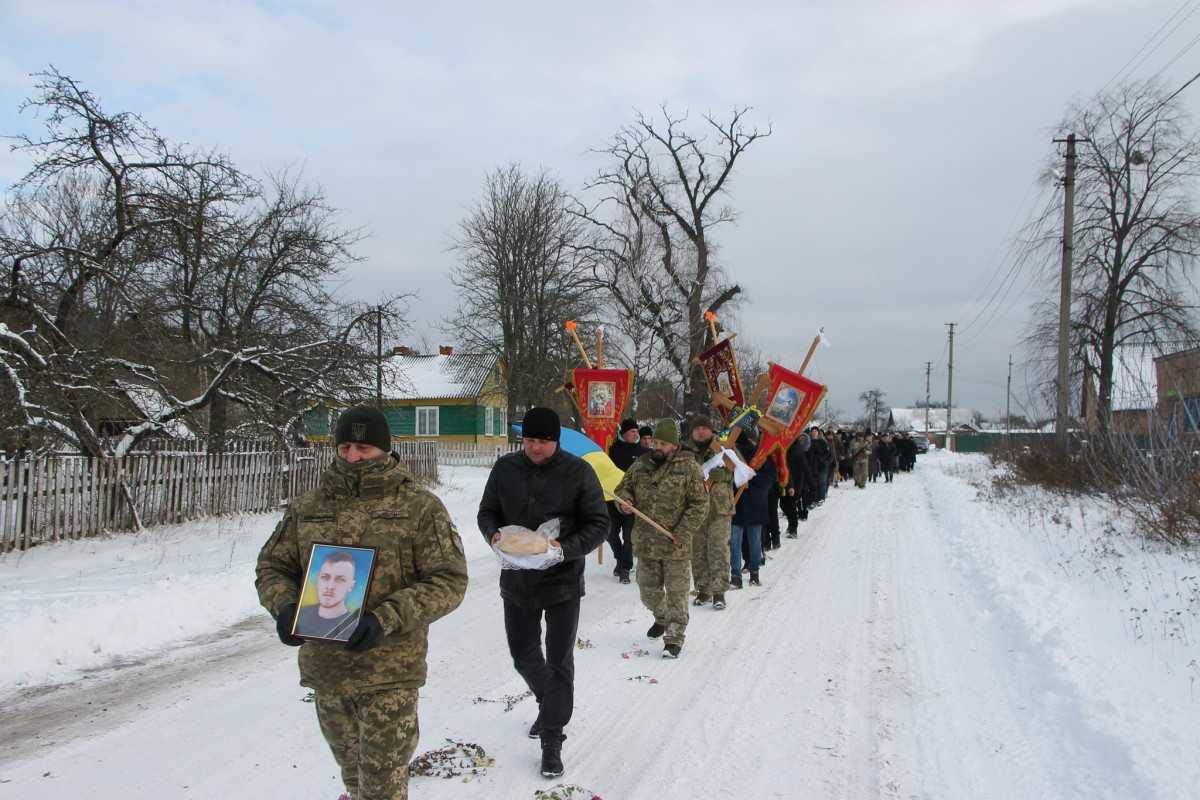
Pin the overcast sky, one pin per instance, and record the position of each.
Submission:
(907, 136)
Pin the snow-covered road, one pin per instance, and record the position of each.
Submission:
(913, 642)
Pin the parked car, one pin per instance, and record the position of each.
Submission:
(921, 442)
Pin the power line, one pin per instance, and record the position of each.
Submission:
(1123, 69)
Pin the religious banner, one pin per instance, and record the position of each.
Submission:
(601, 395)
(793, 399)
(721, 374)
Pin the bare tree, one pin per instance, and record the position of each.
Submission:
(151, 285)
(660, 200)
(520, 278)
(872, 401)
(1136, 233)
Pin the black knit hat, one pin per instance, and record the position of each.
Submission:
(364, 425)
(541, 423)
(628, 425)
(701, 421)
(646, 430)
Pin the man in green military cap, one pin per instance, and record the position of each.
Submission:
(366, 689)
(667, 486)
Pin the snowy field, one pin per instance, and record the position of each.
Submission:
(921, 639)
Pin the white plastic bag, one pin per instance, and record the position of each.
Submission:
(553, 555)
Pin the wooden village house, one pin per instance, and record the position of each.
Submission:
(450, 397)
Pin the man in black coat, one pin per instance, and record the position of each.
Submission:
(528, 488)
(819, 458)
(624, 450)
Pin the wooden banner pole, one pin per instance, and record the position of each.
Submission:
(812, 349)
(571, 326)
(678, 542)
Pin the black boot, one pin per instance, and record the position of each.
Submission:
(552, 766)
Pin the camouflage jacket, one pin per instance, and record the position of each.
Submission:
(672, 494)
(719, 483)
(860, 448)
(420, 570)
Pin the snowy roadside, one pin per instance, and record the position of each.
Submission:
(922, 638)
(71, 606)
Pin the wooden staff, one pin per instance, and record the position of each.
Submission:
(712, 324)
(600, 347)
(678, 542)
(812, 349)
(571, 326)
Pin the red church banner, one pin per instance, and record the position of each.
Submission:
(721, 374)
(793, 399)
(601, 396)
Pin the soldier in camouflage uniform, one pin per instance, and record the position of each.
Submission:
(860, 455)
(366, 689)
(710, 548)
(667, 486)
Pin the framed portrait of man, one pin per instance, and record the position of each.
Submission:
(337, 581)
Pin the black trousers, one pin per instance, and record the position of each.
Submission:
(620, 536)
(550, 676)
(770, 531)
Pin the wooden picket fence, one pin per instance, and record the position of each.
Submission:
(50, 498)
(465, 454)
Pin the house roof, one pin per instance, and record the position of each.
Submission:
(914, 418)
(437, 377)
(153, 406)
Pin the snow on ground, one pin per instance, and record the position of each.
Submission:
(926, 638)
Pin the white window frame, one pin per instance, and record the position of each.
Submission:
(503, 422)
(425, 416)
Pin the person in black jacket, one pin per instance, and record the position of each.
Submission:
(528, 488)
(819, 458)
(624, 450)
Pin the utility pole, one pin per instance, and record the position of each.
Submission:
(1064, 303)
(949, 387)
(1008, 404)
(928, 367)
(379, 357)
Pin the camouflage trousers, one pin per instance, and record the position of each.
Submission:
(860, 472)
(373, 735)
(664, 587)
(710, 557)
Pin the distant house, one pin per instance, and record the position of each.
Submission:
(913, 419)
(446, 397)
(1134, 391)
(1177, 391)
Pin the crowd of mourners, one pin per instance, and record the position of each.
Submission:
(688, 508)
(816, 460)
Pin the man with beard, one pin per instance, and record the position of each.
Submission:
(667, 486)
(710, 548)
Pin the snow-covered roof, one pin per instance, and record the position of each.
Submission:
(437, 377)
(153, 406)
(913, 419)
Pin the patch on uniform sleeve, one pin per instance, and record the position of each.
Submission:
(454, 537)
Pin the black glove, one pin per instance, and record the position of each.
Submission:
(368, 634)
(284, 623)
